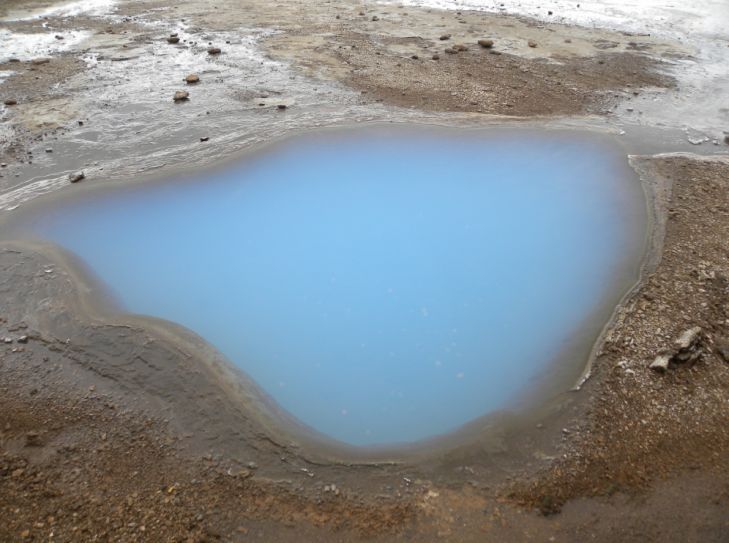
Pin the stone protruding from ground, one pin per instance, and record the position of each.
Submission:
(173, 39)
(486, 44)
(532, 43)
(687, 349)
(445, 37)
(10, 102)
(181, 96)
(214, 50)
(192, 78)
(76, 177)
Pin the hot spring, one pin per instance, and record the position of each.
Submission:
(380, 285)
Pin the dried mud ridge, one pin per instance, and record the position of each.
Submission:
(96, 444)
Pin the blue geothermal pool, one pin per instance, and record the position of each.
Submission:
(381, 286)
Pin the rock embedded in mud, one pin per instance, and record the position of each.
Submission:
(214, 50)
(39, 61)
(192, 78)
(450, 51)
(445, 37)
(181, 96)
(10, 102)
(76, 177)
(532, 44)
(173, 39)
(435, 57)
(375, 18)
(282, 106)
(486, 44)
(687, 350)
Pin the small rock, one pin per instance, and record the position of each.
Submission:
(10, 102)
(204, 138)
(532, 43)
(450, 51)
(445, 37)
(23, 339)
(173, 39)
(214, 51)
(661, 363)
(375, 18)
(192, 78)
(76, 177)
(487, 44)
(49, 150)
(414, 57)
(726, 138)
(181, 96)
(32, 439)
(435, 57)
(460, 47)
(282, 106)
(39, 61)
(59, 37)
(7, 340)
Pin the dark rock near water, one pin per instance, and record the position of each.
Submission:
(76, 177)
(181, 96)
(687, 350)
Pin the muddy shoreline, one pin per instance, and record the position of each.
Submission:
(111, 429)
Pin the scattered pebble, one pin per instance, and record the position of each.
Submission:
(214, 50)
(445, 37)
(10, 102)
(39, 61)
(181, 96)
(487, 44)
(173, 39)
(282, 106)
(192, 78)
(375, 18)
(76, 177)
(435, 57)
(532, 43)
(204, 138)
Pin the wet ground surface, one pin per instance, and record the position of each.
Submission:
(638, 453)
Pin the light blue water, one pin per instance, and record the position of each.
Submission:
(380, 287)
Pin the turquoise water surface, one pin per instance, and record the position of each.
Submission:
(380, 286)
